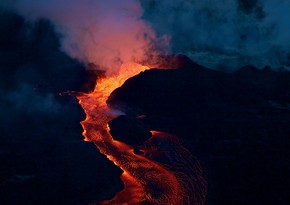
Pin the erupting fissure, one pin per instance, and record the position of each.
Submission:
(145, 181)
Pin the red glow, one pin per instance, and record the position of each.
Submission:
(144, 179)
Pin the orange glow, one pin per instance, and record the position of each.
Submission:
(160, 134)
(133, 192)
(105, 86)
(94, 103)
(145, 181)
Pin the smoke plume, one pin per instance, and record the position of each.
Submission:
(106, 33)
(225, 33)
(218, 34)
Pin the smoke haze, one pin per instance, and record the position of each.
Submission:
(227, 34)
(106, 33)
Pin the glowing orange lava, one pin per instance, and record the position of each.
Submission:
(145, 181)
(94, 103)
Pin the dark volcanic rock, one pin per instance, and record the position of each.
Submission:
(59, 173)
(43, 158)
(237, 125)
(130, 130)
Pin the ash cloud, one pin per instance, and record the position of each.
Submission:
(106, 33)
(225, 34)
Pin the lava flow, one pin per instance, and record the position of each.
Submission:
(145, 181)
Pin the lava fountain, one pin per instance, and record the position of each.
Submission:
(146, 181)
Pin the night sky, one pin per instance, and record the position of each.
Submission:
(228, 101)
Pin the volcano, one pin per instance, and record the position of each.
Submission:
(233, 122)
(146, 181)
(174, 133)
(223, 118)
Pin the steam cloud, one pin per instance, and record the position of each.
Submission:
(106, 33)
(219, 34)
(225, 33)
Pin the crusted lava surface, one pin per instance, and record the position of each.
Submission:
(236, 124)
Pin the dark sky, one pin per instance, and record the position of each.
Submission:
(218, 34)
(224, 34)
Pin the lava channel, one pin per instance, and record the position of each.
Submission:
(145, 181)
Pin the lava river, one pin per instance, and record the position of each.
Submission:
(146, 181)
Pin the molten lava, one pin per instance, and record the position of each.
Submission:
(145, 181)
(94, 103)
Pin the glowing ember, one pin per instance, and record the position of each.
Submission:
(145, 181)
